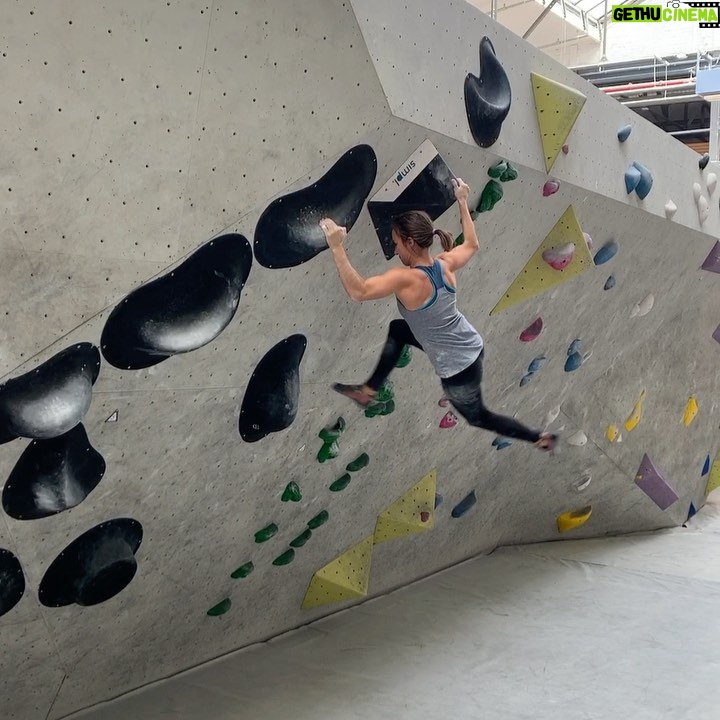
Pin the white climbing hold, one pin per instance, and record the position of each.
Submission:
(619, 438)
(711, 183)
(583, 482)
(113, 417)
(577, 439)
(643, 307)
(703, 209)
(697, 191)
(552, 415)
(670, 209)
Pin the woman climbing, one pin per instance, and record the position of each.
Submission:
(425, 291)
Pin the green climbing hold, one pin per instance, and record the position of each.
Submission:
(491, 193)
(285, 559)
(266, 533)
(358, 463)
(333, 432)
(405, 357)
(320, 519)
(221, 608)
(328, 451)
(301, 539)
(243, 571)
(341, 483)
(503, 171)
(460, 239)
(497, 169)
(291, 492)
(384, 402)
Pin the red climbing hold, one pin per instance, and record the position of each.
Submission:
(559, 258)
(532, 331)
(550, 188)
(449, 420)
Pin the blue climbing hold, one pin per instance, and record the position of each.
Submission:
(691, 511)
(624, 133)
(609, 283)
(500, 442)
(574, 347)
(632, 179)
(464, 505)
(646, 181)
(573, 362)
(536, 364)
(606, 252)
(526, 379)
(706, 467)
(438, 500)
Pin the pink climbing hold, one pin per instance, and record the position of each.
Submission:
(532, 331)
(559, 258)
(443, 401)
(424, 516)
(449, 420)
(550, 188)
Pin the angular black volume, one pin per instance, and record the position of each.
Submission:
(52, 476)
(95, 566)
(271, 398)
(51, 399)
(181, 311)
(12, 581)
(288, 232)
(487, 97)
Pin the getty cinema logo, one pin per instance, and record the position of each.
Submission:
(703, 13)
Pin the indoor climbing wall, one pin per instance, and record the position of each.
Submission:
(179, 480)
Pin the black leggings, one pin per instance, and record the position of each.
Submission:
(462, 389)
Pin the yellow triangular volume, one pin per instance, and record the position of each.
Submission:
(537, 275)
(713, 482)
(343, 578)
(557, 107)
(411, 513)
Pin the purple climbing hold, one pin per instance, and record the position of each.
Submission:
(646, 181)
(573, 362)
(609, 283)
(424, 515)
(632, 179)
(712, 261)
(536, 363)
(706, 467)
(716, 334)
(624, 133)
(550, 188)
(501, 442)
(532, 331)
(565, 149)
(653, 484)
(464, 505)
(606, 252)
(526, 379)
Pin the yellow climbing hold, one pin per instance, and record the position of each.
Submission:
(691, 410)
(343, 578)
(612, 433)
(557, 107)
(632, 422)
(574, 518)
(537, 276)
(409, 514)
(713, 482)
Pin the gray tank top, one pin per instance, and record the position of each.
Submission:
(449, 340)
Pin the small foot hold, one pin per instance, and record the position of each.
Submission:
(547, 442)
(355, 393)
